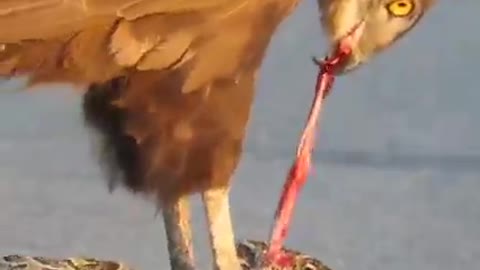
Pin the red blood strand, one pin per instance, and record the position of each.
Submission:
(298, 173)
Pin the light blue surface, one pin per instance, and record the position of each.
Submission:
(397, 172)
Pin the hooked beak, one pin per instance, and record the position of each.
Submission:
(348, 45)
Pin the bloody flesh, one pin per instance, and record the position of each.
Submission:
(298, 173)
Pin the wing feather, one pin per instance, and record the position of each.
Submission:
(128, 37)
(167, 131)
(43, 19)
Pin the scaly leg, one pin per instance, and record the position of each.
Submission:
(222, 239)
(179, 234)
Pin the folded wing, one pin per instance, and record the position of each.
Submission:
(41, 19)
(95, 40)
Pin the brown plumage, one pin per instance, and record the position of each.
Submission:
(170, 85)
(181, 115)
(170, 88)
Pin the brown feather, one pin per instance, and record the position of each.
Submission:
(168, 143)
(170, 91)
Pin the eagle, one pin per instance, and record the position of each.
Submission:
(168, 86)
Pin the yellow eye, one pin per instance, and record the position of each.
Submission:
(400, 8)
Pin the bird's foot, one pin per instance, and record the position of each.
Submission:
(254, 256)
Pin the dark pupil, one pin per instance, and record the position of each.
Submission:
(402, 5)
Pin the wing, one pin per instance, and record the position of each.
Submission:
(161, 141)
(95, 40)
(174, 121)
(42, 19)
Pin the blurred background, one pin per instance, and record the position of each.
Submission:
(397, 169)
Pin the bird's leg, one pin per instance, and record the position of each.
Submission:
(222, 239)
(176, 216)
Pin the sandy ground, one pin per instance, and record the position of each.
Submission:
(397, 171)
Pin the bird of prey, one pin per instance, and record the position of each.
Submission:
(169, 85)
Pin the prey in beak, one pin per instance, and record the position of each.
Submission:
(274, 257)
(357, 29)
(367, 27)
(341, 58)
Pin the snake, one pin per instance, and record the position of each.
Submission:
(247, 250)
